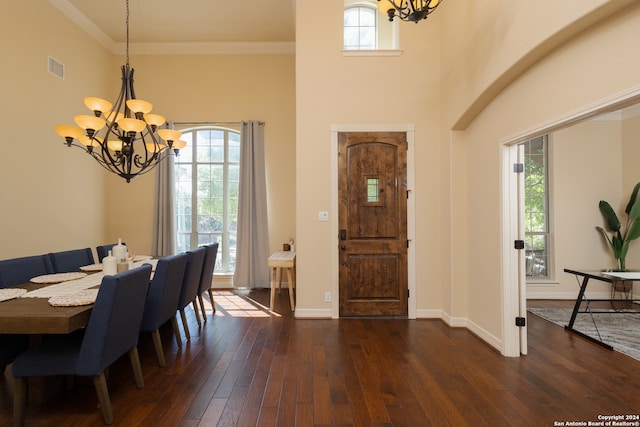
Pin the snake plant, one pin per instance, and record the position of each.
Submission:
(617, 237)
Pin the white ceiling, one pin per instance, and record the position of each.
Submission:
(173, 25)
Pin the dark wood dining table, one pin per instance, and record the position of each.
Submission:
(36, 316)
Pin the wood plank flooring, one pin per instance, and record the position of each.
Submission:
(245, 367)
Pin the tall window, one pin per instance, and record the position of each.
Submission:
(536, 215)
(206, 192)
(360, 28)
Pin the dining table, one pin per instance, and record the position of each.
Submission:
(34, 312)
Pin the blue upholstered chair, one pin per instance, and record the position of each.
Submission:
(103, 250)
(206, 277)
(66, 261)
(190, 284)
(162, 300)
(113, 330)
(19, 270)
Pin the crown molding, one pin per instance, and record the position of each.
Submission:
(200, 48)
(81, 20)
(208, 48)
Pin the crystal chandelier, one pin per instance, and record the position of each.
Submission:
(408, 10)
(124, 137)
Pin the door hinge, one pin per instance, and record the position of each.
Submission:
(408, 241)
(408, 191)
(521, 321)
(518, 167)
(408, 293)
(518, 244)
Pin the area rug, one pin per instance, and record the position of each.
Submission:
(619, 330)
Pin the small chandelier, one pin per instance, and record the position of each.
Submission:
(125, 137)
(408, 10)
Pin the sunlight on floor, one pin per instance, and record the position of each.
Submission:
(230, 304)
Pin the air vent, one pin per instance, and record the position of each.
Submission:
(56, 67)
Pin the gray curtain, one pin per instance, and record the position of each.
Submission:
(163, 229)
(252, 244)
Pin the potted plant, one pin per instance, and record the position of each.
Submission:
(620, 237)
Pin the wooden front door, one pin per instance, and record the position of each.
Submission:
(372, 217)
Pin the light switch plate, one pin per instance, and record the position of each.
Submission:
(323, 216)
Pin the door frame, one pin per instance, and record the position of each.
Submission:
(514, 298)
(411, 259)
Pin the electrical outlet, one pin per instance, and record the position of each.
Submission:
(327, 297)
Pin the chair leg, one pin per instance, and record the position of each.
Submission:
(185, 325)
(196, 310)
(135, 364)
(213, 305)
(19, 400)
(157, 343)
(202, 309)
(176, 330)
(100, 383)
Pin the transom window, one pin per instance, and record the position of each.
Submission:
(206, 192)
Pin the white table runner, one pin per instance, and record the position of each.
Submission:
(66, 288)
(72, 286)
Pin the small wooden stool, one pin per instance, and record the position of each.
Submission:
(278, 261)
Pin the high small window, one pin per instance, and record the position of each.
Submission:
(206, 192)
(537, 210)
(360, 28)
(367, 31)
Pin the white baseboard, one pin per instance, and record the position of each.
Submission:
(310, 313)
(461, 322)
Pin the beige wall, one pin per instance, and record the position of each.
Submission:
(52, 196)
(587, 168)
(218, 88)
(566, 80)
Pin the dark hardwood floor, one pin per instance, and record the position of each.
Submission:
(245, 367)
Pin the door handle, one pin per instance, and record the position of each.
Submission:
(343, 247)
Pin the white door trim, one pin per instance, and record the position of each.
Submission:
(512, 302)
(411, 216)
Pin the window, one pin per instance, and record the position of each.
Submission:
(206, 192)
(360, 28)
(537, 212)
(372, 190)
(366, 29)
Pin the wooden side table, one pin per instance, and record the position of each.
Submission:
(279, 261)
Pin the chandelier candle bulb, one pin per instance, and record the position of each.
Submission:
(97, 105)
(139, 106)
(169, 135)
(131, 125)
(90, 124)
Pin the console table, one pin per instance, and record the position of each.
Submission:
(603, 276)
(278, 261)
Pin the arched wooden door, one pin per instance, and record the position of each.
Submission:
(372, 216)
